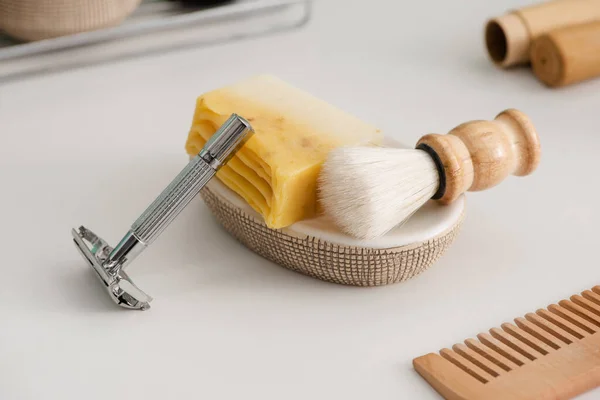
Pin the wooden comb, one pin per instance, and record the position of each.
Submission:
(552, 354)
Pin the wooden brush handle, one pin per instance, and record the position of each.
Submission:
(478, 155)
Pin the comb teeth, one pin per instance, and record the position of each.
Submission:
(463, 363)
(480, 349)
(550, 339)
(581, 312)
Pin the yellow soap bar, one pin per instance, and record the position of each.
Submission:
(276, 171)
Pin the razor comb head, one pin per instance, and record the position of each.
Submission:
(118, 284)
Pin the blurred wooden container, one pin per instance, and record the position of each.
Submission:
(567, 55)
(509, 37)
(32, 20)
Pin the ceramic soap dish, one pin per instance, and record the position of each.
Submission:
(317, 249)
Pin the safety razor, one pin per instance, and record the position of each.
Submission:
(109, 263)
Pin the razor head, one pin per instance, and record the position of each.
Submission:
(118, 284)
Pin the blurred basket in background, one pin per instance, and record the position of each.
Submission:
(31, 20)
(128, 28)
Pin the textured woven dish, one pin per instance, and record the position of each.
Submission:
(31, 20)
(315, 248)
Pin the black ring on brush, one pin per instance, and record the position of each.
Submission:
(440, 167)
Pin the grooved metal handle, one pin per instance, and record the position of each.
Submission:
(188, 183)
(172, 200)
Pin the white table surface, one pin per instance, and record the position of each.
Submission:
(95, 145)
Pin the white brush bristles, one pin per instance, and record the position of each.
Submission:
(369, 191)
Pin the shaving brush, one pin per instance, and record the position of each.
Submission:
(368, 191)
